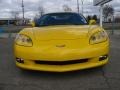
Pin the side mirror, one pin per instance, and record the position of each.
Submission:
(33, 24)
(92, 22)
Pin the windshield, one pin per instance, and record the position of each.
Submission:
(61, 19)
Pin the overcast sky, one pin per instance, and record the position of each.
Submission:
(31, 6)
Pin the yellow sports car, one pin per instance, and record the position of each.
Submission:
(61, 42)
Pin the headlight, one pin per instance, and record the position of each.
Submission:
(98, 37)
(23, 40)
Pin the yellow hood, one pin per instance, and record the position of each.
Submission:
(60, 32)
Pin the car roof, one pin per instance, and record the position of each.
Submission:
(61, 13)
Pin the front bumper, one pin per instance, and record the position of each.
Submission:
(30, 65)
(92, 53)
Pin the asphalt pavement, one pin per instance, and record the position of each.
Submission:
(101, 78)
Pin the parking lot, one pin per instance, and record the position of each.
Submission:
(101, 78)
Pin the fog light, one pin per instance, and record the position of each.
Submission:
(20, 60)
(103, 57)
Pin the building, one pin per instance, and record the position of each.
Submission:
(9, 21)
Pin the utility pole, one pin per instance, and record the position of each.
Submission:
(101, 16)
(23, 11)
(82, 1)
(78, 8)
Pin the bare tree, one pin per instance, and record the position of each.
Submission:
(94, 17)
(41, 10)
(108, 10)
(66, 8)
(36, 17)
(89, 18)
(15, 14)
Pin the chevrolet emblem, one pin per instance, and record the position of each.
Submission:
(60, 46)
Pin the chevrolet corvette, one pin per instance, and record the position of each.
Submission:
(61, 42)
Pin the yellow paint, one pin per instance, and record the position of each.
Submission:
(92, 22)
(61, 43)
